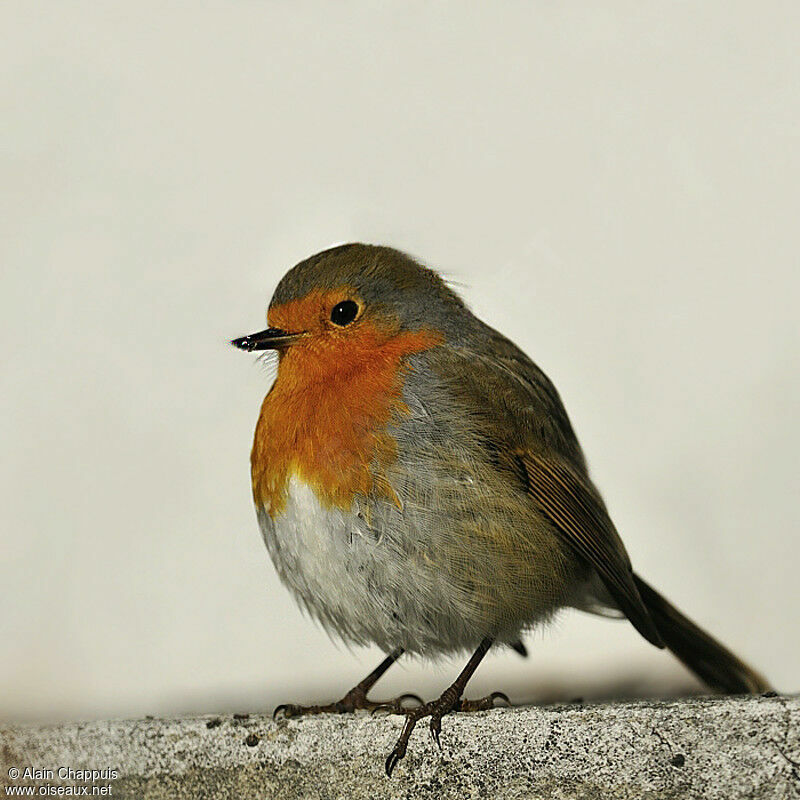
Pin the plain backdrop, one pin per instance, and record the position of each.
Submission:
(615, 186)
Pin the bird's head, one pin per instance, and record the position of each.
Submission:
(344, 306)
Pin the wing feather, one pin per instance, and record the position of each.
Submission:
(581, 518)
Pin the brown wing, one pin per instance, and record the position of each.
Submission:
(501, 393)
(580, 516)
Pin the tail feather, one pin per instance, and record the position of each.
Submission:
(711, 661)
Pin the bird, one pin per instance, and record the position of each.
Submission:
(419, 486)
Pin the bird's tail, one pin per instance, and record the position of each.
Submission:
(712, 662)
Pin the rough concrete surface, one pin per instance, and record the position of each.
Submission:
(726, 748)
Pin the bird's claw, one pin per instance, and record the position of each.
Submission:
(396, 705)
(436, 729)
(485, 703)
(355, 700)
(290, 710)
(436, 709)
(287, 710)
(394, 758)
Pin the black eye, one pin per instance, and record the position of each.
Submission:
(344, 313)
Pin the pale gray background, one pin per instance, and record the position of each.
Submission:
(615, 188)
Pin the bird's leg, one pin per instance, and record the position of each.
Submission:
(450, 700)
(356, 698)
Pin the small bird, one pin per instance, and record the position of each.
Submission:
(419, 486)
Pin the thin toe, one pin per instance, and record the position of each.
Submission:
(284, 711)
(484, 703)
(398, 705)
(392, 760)
(436, 729)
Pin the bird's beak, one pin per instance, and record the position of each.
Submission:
(270, 339)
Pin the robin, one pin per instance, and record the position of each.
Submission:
(419, 486)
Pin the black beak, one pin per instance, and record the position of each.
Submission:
(270, 339)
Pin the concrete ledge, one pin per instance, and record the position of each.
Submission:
(709, 748)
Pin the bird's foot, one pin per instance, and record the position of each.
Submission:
(355, 700)
(449, 701)
(484, 703)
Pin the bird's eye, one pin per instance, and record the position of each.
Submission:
(344, 313)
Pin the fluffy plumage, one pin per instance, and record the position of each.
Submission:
(417, 479)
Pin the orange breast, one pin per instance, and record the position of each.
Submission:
(325, 418)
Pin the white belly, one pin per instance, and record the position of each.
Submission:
(368, 583)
